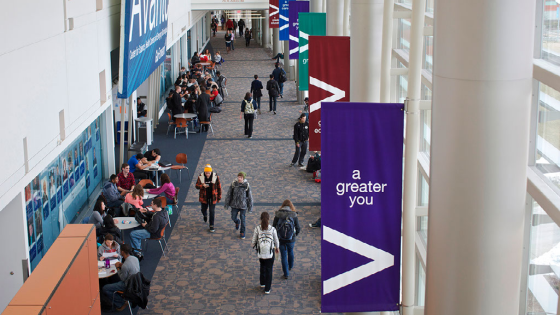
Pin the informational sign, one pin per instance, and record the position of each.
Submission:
(295, 8)
(284, 19)
(143, 42)
(329, 79)
(361, 206)
(310, 24)
(274, 14)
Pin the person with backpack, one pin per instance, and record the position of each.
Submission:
(256, 90)
(273, 91)
(208, 183)
(240, 199)
(280, 77)
(247, 37)
(248, 113)
(222, 82)
(287, 226)
(265, 242)
(228, 39)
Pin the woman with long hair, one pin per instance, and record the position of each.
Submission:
(265, 241)
(167, 189)
(135, 197)
(287, 224)
(248, 107)
(110, 227)
(98, 214)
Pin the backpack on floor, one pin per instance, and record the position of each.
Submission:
(265, 244)
(286, 229)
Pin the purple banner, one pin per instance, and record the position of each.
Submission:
(362, 151)
(295, 8)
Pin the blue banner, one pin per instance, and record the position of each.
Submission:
(362, 146)
(295, 8)
(143, 42)
(284, 20)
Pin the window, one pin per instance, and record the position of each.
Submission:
(548, 135)
(402, 85)
(404, 35)
(428, 53)
(551, 32)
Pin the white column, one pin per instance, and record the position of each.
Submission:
(411, 156)
(365, 50)
(335, 17)
(276, 44)
(386, 50)
(265, 29)
(346, 17)
(316, 6)
(479, 155)
(287, 62)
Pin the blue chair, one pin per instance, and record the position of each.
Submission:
(85, 220)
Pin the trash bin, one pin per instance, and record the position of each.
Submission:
(137, 147)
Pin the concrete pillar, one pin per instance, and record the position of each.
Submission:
(479, 155)
(265, 29)
(365, 50)
(288, 64)
(276, 43)
(316, 6)
(346, 17)
(335, 17)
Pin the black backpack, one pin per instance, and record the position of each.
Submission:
(286, 229)
(282, 78)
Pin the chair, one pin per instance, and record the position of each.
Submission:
(171, 122)
(209, 123)
(174, 204)
(144, 182)
(181, 158)
(163, 201)
(121, 293)
(181, 123)
(159, 239)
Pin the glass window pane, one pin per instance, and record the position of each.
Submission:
(548, 134)
(423, 197)
(428, 53)
(430, 6)
(403, 41)
(402, 85)
(421, 289)
(551, 32)
(544, 264)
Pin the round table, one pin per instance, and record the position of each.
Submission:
(185, 115)
(157, 169)
(126, 226)
(107, 272)
(147, 195)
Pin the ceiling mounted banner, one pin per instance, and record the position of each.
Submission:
(284, 19)
(310, 24)
(274, 14)
(295, 8)
(143, 43)
(361, 196)
(329, 79)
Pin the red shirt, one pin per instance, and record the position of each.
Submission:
(213, 95)
(229, 24)
(126, 182)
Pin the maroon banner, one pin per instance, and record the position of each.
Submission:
(274, 14)
(329, 79)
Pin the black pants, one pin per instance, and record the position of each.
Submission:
(273, 103)
(204, 209)
(249, 124)
(300, 152)
(247, 41)
(140, 174)
(266, 272)
(258, 101)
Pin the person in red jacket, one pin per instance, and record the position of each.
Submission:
(229, 25)
(208, 183)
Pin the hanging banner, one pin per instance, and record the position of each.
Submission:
(361, 206)
(310, 24)
(274, 14)
(295, 8)
(143, 42)
(329, 79)
(284, 19)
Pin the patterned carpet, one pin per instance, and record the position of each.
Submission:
(218, 273)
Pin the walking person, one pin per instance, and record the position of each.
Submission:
(287, 226)
(240, 199)
(247, 37)
(301, 135)
(273, 92)
(222, 83)
(256, 90)
(228, 41)
(280, 77)
(265, 241)
(248, 112)
(208, 183)
(241, 26)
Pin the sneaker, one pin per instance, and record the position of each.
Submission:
(237, 226)
(267, 292)
(262, 285)
(281, 96)
(291, 164)
(242, 236)
(205, 219)
(300, 165)
(286, 277)
(212, 229)
(314, 225)
(274, 112)
(250, 137)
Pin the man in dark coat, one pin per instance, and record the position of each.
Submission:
(202, 105)
(174, 103)
(241, 26)
(301, 135)
(256, 90)
(273, 91)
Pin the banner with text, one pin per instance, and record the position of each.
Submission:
(361, 206)
(295, 8)
(329, 79)
(284, 19)
(143, 42)
(310, 24)
(274, 14)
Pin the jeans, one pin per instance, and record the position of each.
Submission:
(281, 88)
(204, 209)
(258, 102)
(300, 152)
(266, 272)
(272, 104)
(116, 205)
(109, 289)
(232, 48)
(241, 212)
(137, 236)
(287, 253)
(249, 124)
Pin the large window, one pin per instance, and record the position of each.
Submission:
(548, 134)
(404, 35)
(551, 32)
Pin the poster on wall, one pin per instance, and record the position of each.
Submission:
(361, 206)
(295, 8)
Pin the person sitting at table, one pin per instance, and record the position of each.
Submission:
(195, 58)
(152, 229)
(111, 193)
(138, 163)
(98, 214)
(153, 155)
(110, 248)
(126, 180)
(135, 197)
(214, 92)
(174, 103)
(109, 227)
(218, 58)
(125, 270)
(167, 189)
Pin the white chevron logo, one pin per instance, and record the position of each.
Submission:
(285, 26)
(381, 260)
(274, 8)
(295, 39)
(337, 94)
(306, 46)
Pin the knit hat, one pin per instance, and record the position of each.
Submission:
(207, 168)
(242, 174)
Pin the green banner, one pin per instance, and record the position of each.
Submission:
(310, 24)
